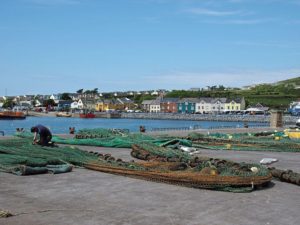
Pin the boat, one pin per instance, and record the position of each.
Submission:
(10, 115)
(63, 114)
(88, 115)
(293, 133)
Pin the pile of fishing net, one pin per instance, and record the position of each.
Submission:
(262, 141)
(20, 157)
(111, 138)
(100, 133)
(149, 151)
(172, 166)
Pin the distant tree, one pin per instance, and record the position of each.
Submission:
(8, 104)
(80, 91)
(95, 91)
(48, 102)
(221, 88)
(87, 92)
(65, 96)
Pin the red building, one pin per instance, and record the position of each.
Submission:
(169, 105)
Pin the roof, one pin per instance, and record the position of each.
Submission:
(205, 99)
(174, 100)
(65, 101)
(125, 100)
(190, 100)
(147, 102)
(222, 100)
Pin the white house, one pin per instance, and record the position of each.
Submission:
(37, 103)
(155, 106)
(80, 104)
(218, 105)
(154, 93)
(203, 106)
(54, 98)
(74, 105)
(146, 105)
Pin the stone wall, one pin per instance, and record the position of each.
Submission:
(207, 117)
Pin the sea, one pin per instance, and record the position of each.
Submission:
(60, 125)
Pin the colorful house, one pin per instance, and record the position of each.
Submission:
(203, 106)
(187, 105)
(114, 104)
(155, 105)
(146, 105)
(218, 105)
(236, 104)
(169, 105)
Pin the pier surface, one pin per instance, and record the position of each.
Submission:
(91, 197)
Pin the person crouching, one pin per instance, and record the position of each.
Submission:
(44, 133)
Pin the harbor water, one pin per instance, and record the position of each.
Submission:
(60, 125)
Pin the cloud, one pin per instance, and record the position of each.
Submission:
(208, 12)
(54, 2)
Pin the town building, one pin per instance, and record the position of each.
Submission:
(169, 105)
(187, 105)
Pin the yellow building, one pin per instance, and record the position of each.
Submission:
(234, 104)
(114, 104)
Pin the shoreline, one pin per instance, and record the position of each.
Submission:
(288, 120)
(182, 133)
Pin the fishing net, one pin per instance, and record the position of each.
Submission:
(227, 175)
(168, 165)
(288, 176)
(111, 138)
(149, 151)
(263, 141)
(100, 133)
(20, 157)
(234, 180)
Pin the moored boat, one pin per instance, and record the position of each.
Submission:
(12, 115)
(63, 114)
(87, 115)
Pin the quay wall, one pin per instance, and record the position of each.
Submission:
(207, 117)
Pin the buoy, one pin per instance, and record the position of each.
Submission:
(254, 169)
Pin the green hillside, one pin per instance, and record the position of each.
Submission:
(276, 96)
(293, 81)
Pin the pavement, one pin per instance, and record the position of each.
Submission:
(85, 197)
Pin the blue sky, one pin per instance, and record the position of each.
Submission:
(53, 46)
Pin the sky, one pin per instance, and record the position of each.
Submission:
(55, 46)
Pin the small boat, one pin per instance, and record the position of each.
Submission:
(87, 115)
(63, 114)
(10, 115)
(293, 134)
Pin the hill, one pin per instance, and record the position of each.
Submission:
(276, 96)
(293, 81)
